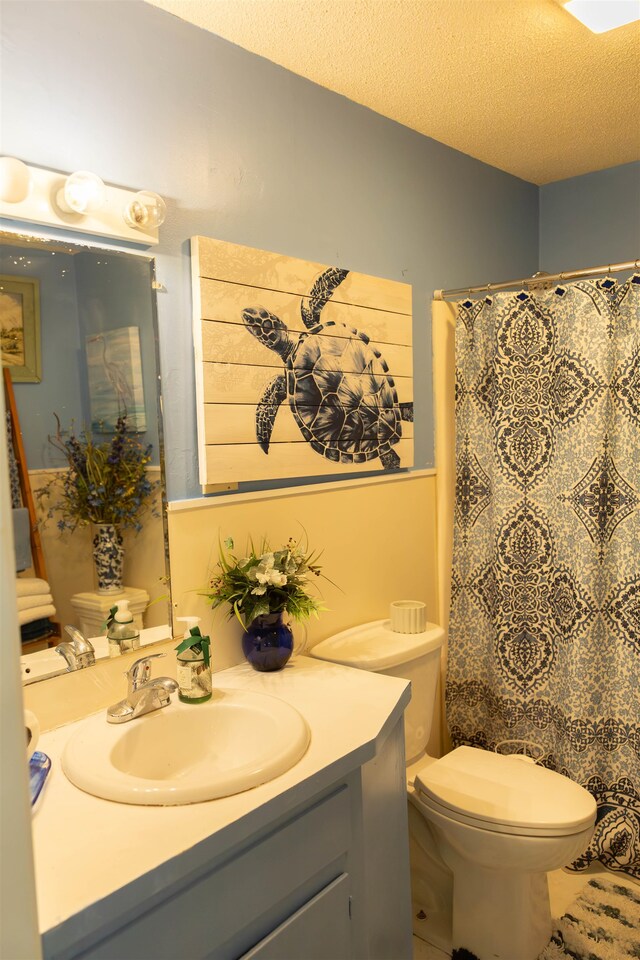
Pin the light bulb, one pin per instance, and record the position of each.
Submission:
(145, 210)
(83, 192)
(15, 180)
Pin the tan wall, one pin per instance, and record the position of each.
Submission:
(378, 542)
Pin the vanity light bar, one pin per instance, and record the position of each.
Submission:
(78, 201)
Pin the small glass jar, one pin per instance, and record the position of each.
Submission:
(194, 677)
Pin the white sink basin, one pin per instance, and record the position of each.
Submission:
(186, 753)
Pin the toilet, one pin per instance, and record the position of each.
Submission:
(484, 829)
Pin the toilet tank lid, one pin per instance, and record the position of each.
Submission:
(507, 790)
(374, 646)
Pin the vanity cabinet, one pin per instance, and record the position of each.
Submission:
(319, 929)
(311, 866)
(267, 899)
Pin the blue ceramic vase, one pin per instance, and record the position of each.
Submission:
(267, 643)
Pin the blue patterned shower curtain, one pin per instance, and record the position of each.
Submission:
(544, 641)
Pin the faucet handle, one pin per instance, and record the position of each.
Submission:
(82, 645)
(83, 649)
(139, 672)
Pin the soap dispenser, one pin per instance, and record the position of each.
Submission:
(194, 664)
(122, 633)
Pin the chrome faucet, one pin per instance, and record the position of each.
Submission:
(78, 652)
(143, 695)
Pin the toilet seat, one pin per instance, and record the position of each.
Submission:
(504, 794)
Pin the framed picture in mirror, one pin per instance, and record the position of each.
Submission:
(114, 365)
(20, 327)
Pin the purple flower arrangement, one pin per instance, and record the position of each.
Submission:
(106, 482)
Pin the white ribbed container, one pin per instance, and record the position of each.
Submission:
(408, 616)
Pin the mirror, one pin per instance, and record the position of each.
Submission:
(79, 334)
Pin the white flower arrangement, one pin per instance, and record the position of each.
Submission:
(266, 581)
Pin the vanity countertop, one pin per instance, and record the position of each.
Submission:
(86, 848)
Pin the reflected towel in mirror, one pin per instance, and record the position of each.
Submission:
(28, 586)
(36, 613)
(37, 600)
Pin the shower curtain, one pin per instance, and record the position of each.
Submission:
(544, 635)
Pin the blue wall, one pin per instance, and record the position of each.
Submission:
(245, 151)
(591, 220)
(114, 292)
(59, 390)
(80, 294)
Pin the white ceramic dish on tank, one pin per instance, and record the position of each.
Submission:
(187, 753)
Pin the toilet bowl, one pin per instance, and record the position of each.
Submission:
(500, 824)
(484, 828)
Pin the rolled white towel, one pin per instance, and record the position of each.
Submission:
(37, 600)
(31, 586)
(36, 613)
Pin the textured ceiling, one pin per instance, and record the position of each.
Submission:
(519, 84)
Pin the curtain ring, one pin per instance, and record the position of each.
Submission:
(561, 278)
(489, 288)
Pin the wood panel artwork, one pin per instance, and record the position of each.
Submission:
(301, 369)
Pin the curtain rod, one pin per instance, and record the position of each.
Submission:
(538, 279)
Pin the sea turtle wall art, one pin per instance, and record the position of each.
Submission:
(301, 369)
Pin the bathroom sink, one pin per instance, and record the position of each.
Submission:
(187, 753)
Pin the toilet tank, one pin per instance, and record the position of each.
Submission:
(411, 656)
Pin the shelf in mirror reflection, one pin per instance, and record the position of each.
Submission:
(47, 663)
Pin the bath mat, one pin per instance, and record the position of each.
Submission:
(602, 924)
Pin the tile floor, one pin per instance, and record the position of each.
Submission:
(424, 951)
(564, 887)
